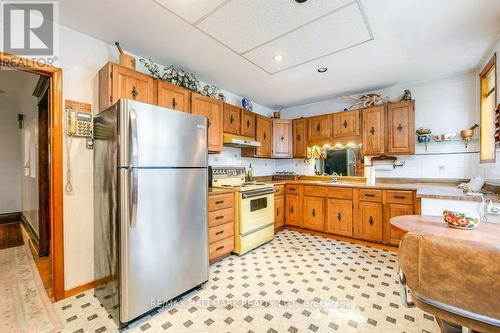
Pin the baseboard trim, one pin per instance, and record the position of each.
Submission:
(86, 286)
(10, 217)
(33, 237)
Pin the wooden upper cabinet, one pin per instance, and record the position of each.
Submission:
(247, 124)
(319, 128)
(263, 134)
(346, 124)
(401, 128)
(282, 138)
(117, 82)
(232, 121)
(314, 213)
(374, 130)
(299, 138)
(172, 96)
(212, 109)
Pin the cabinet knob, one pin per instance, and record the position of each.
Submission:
(282, 138)
(231, 119)
(345, 123)
(134, 92)
(174, 103)
(372, 130)
(314, 212)
(400, 128)
(339, 216)
(277, 211)
(370, 220)
(248, 123)
(318, 127)
(298, 137)
(291, 209)
(265, 136)
(219, 233)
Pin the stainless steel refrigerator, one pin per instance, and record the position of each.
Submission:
(150, 206)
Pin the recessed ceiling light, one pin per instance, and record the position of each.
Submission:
(322, 69)
(300, 1)
(278, 58)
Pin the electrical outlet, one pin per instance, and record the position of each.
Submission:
(493, 209)
(442, 168)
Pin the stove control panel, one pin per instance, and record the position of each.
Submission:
(228, 172)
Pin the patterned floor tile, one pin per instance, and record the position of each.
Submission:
(296, 283)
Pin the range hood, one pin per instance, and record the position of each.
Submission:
(238, 141)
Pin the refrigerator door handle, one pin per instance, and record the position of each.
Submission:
(133, 139)
(133, 197)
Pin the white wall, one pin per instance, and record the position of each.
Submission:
(445, 105)
(10, 152)
(28, 106)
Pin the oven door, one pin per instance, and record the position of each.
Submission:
(257, 210)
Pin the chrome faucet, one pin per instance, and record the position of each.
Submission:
(335, 177)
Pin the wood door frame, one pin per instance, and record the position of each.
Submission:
(56, 159)
(44, 175)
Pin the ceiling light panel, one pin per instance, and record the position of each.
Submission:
(191, 10)
(333, 33)
(243, 25)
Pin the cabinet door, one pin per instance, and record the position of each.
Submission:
(232, 121)
(391, 235)
(373, 131)
(292, 210)
(173, 97)
(401, 128)
(247, 123)
(346, 124)
(130, 84)
(263, 131)
(319, 128)
(369, 224)
(212, 109)
(279, 211)
(282, 138)
(339, 217)
(299, 138)
(314, 213)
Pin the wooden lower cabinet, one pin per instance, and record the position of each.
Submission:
(220, 225)
(314, 213)
(279, 210)
(392, 236)
(339, 218)
(368, 226)
(292, 210)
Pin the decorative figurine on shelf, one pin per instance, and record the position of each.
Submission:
(125, 60)
(468, 134)
(246, 104)
(406, 95)
(424, 136)
(367, 100)
(221, 96)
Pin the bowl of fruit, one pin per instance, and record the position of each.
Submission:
(461, 218)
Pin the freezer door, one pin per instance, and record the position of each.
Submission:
(164, 237)
(152, 136)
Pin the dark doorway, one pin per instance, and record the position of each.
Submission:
(44, 175)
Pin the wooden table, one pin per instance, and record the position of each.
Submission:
(485, 232)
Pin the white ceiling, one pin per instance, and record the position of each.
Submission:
(14, 83)
(365, 44)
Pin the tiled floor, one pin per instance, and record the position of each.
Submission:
(296, 283)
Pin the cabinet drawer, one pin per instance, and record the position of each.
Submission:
(401, 197)
(316, 191)
(370, 195)
(292, 189)
(221, 201)
(279, 190)
(340, 193)
(219, 217)
(220, 232)
(220, 248)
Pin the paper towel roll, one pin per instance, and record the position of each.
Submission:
(384, 167)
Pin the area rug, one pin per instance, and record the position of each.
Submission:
(24, 305)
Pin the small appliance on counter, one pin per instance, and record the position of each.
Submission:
(254, 207)
(285, 175)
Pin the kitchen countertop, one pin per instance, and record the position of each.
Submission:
(423, 190)
(219, 190)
